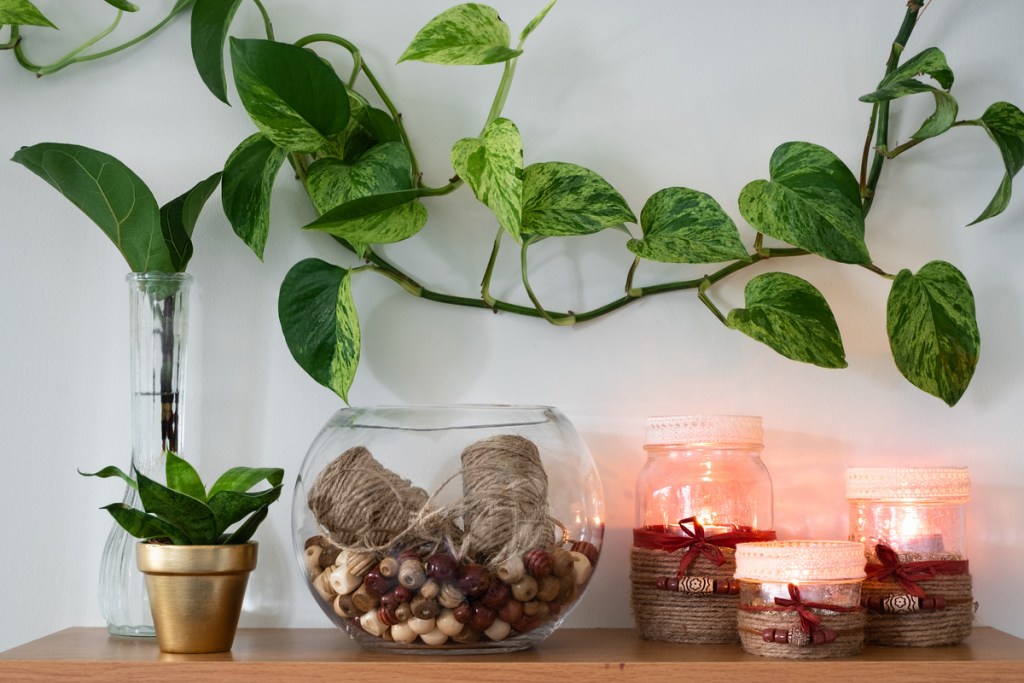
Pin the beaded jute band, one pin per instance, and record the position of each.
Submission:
(924, 628)
(847, 627)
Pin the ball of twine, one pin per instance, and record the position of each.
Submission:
(505, 499)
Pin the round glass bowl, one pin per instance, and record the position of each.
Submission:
(448, 529)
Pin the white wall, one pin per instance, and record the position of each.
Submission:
(649, 94)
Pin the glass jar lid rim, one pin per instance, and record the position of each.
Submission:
(704, 430)
(795, 561)
(907, 483)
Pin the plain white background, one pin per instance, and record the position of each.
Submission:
(648, 94)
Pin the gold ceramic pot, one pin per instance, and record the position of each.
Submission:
(196, 593)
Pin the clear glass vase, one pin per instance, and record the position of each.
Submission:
(158, 310)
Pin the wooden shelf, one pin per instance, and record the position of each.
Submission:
(305, 655)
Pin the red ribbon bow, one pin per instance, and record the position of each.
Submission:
(659, 538)
(809, 621)
(908, 574)
(696, 544)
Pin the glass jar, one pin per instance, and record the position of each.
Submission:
(800, 599)
(702, 490)
(448, 529)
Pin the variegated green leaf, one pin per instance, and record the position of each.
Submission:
(292, 95)
(367, 127)
(535, 22)
(318, 318)
(791, 316)
(210, 22)
(376, 219)
(933, 331)
(812, 201)
(384, 168)
(565, 199)
(178, 219)
(930, 62)
(902, 82)
(23, 12)
(123, 5)
(245, 188)
(685, 226)
(465, 34)
(492, 165)
(1004, 123)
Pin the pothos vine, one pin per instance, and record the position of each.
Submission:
(357, 164)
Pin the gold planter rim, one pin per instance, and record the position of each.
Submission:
(160, 558)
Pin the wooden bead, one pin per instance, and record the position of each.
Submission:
(511, 612)
(387, 615)
(561, 562)
(430, 589)
(474, 580)
(511, 570)
(329, 556)
(342, 582)
(482, 617)
(435, 637)
(408, 554)
(727, 587)
(823, 636)
(567, 592)
(421, 626)
(450, 596)
(526, 623)
(548, 588)
(442, 567)
(538, 562)
(388, 566)
(499, 630)
(376, 583)
(467, 636)
(448, 624)
(322, 585)
(312, 559)
(317, 541)
(497, 595)
(364, 600)
(411, 574)
(902, 603)
(425, 608)
(582, 567)
(344, 608)
(371, 623)
(401, 633)
(588, 550)
(358, 563)
(536, 609)
(525, 589)
(404, 612)
(463, 613)
(396, 596)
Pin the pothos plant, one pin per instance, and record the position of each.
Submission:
(357, 164)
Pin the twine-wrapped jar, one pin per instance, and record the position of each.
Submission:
(910, 521)
(702, 490)
(800, 599)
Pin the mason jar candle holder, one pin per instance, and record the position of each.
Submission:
(800, 599)
(702, 490)
(910, 521)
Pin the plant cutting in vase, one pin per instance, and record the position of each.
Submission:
(356, 162)
(196, 569)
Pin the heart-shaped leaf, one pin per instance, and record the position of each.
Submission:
(210, 22)
(23, 12)
(1004, 123)
(178, 219)
(189, 514)
(791, 316)
(812, 201)
(140, 525)
(933, 331)
(367, 127)
(292, 95)
(183, 478)
(492, 165)
(464, 34)
(320, 325)
(110, 194)
(562, 199)
(376, 219)
(685, 226)
(245, 189)
(384, 168)
(902, 82)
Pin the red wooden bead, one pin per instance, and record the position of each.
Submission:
(313, 540)
(511, 612)
(482, 618)
(936, 602)
(538, 562)
(823, 636)
(442, 567)
(589, 550)
(376, 583)
(474, 580)
(463, 613)
(396, 596)
(727, 587)
(387, 615)
(496, 596)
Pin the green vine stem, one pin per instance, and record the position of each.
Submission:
(268, 25)
(485, 282)
(702, 295)
(554, 319)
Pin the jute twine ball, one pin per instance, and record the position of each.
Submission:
(505, 499)
(360, 503)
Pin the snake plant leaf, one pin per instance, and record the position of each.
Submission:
(681, 225)
(195, 519)
(183, 478)
(375, 219)
(22, 12)
(535, 22)
(384, 168)
(791, 316)
(812, 201)
(292, 96)
(123, 5)
(144, 526)
(467, 34)
(110, 194)
(561, 199)
(1004, 123)
(245, 189)
(230, 507)
(210, 22)
(492, 165)
(111, 471)
(319, 321)
(244, 532)
(903, 82)
(241, 479)
(933, 330)
(178, 220)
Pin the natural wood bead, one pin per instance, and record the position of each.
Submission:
(567, 589)
(358, 563)
(450, 596)
(408, 554)
(525, 589)
(526, 623)
(499, 630)
(463, 613)
(474, 580)
(404, 612)
(902, 603)
(588, 550)
(435, 637)
(482, 617)
(538, 562)
(425, 608)
(388, 566)
(421, 626)
(467, 636)
(511, 612)
(497, 595)
(548, 588)
(371, 623)
(402, 633)
(532, 608)
(313, 553)
(561, 562)
(582, 567)
(387, 615)
(344, 607)
(322, 585)
(342, 582)
(430, 589)
(511, 570)
(411, 574)
(442, 567)
(317, 540)
(329, 556)
(448, 624)
(364, 600)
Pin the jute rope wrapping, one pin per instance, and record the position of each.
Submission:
(505, 499)
(849, 628)
(679, 617)
(926, 628)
